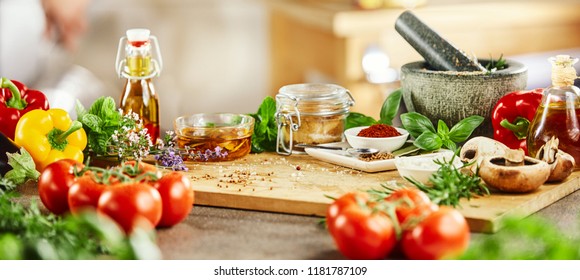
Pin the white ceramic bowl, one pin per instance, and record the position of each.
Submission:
(384, 144)
(421, 167)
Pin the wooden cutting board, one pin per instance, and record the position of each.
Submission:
(300, 184)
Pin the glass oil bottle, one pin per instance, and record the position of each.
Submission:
(139, 67)
(559, 112)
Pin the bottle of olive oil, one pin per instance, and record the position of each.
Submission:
(139, 67)
(559, 112)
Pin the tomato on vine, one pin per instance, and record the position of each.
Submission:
(131, 205)
(177, 197)
(85, 193)
(54, 183)
(358, 230)
(441, 235)
(411, 204)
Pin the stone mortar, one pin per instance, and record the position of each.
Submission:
(453, 96)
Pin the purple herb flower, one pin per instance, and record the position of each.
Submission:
(171, 158)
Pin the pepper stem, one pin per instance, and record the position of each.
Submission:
(57, 137)
(16, 101)
(519, 127)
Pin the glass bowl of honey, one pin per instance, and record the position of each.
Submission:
(214, 136)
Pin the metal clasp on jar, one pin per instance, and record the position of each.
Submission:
(285, 119)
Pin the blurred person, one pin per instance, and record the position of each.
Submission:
(37, 41)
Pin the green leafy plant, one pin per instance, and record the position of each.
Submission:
(265, 127)
(388, 112)
(429, 139)
(99, 122)
(531, 238)
(26, 233)
(450, 184)
(494, 65)
(23, 167)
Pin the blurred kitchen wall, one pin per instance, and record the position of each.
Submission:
(215, 52)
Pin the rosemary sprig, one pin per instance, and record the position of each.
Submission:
(450, 184)
(498, 64)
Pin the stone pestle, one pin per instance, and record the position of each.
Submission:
(438, 52)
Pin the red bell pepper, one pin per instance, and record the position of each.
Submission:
(511, 117)
(16, 100)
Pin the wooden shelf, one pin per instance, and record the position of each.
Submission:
(329, 37)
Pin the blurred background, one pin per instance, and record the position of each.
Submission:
(227, 55)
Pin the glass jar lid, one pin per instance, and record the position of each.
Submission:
(314, 99)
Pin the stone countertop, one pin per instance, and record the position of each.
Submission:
(227, 234)
(212, 233)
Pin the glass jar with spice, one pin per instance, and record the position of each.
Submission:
(310, 114)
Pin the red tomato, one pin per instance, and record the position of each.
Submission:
(364, 235)
(358, 231)
(339, 204)
(54, 183)
(140, 170)
(85, 192)
(411, 204)
(131, 205)
(177, 198)
(441, 235)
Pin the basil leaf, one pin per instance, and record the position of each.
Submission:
(463, 129)
(416, 124)
(428, 141)
(355, 119)
(265, 127)
(442, 128)
(450, 145)
(390, 107)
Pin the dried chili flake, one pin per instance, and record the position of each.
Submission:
(379, 131)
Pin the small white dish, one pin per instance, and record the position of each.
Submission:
(383, 144)
(344, 159)
(421, 167)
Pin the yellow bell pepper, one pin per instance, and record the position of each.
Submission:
(49, 136)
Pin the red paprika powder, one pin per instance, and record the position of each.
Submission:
(379, 131)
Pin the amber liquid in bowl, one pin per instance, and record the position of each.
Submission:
(237, 143)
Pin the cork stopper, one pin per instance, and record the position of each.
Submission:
(138, 35)
(563, 72)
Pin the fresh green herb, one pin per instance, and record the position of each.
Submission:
(388, 112)
(26, 233)
(131, 139)
(531, 238)
(355, 119)
(494, 65)
(265, 127)
(390, 107)
(450, 184)
(427, 138)
(6, 186)
(99, 122)
(23, 167)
